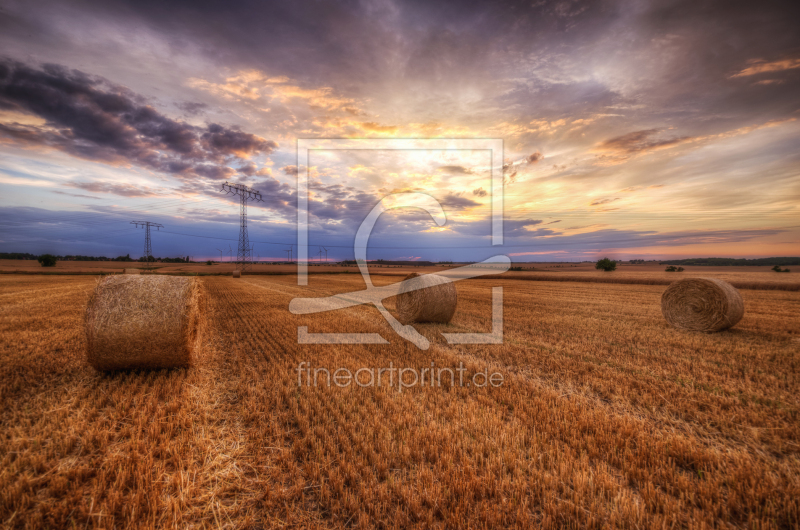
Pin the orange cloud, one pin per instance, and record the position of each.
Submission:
(600, 202)
(353, 128)
(761, 66)
(622, 148)
(535, 158)
(254, 85)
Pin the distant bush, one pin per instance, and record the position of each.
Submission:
(777, 268)
(47, 260)
(606, 265)
(515, 269)
(209, 262)
(673, 268)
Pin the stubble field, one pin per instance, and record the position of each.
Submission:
(606, 417)
(746, 276)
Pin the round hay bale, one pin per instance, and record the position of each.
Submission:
(149, 321)
(237, 274)
(131, 271)
(702, 304)
(436, 302)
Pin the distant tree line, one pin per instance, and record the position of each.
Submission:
(718, 262)
(77, 257)
(165, 260)
(68, 257)
(17, 255)
(389, 262)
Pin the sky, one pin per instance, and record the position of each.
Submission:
(630, 129)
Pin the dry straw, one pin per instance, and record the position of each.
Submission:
(702, 304)
(435, 302)
(237, 274)
(149, 321)
(131, 271)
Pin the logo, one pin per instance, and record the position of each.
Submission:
(376, 295)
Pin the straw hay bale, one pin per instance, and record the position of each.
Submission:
(147, 321)
(131, 271)
(237, 274)
(436, 302)
(702, 304)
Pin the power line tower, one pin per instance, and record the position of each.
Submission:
(244, 255)
(148, 248)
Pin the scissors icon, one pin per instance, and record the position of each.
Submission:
(376, 295)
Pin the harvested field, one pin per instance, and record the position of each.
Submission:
(764, 283)
(648, 274)
(607, 416)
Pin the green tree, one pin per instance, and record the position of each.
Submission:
(47, 260)
(606, 265)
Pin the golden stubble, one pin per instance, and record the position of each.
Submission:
(607, 416)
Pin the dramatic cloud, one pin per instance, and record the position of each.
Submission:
(455, 170)
(535, 157)
(192, 108)
(760, 67)
(600, 202)
(649, 112)
(123, 190)
(90, 118)
(638, 141)
(278, 197)
(523, 227)
(457, 201)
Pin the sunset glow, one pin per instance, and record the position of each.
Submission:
(633, 129)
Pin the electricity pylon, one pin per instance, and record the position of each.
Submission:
(244, 256)
(288, 254)
(148, 248)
